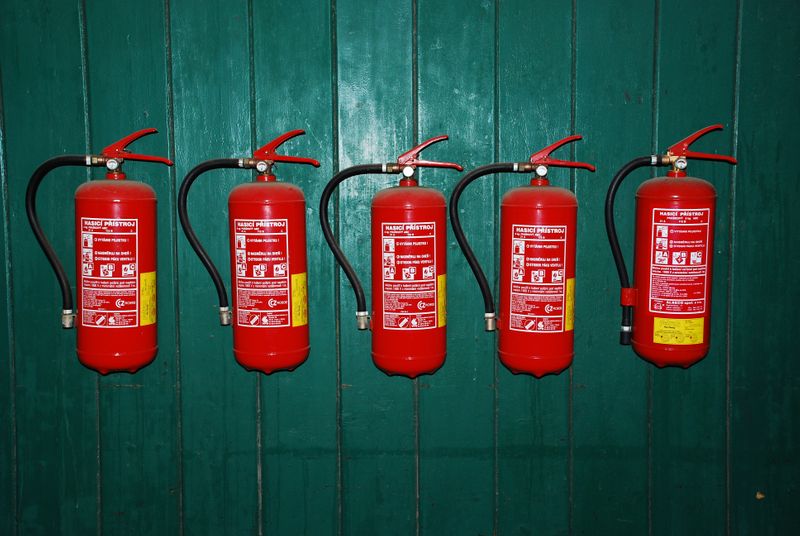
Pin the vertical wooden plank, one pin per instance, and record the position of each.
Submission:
(535, 103)
(127, 81)
(614, 87)
(8, 454)
(765, 373)
(375, 125)
(456, 97)
(210, 57)
(689, 405)
(299, 408)
(55, 396)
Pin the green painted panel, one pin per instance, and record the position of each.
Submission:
(456, 440)
(535, 109)
(8, 496)
(765, 373)
(210, 58)
(299, 408)
(610, 384)
(375, 124)
(56, 411)
(138, 414)
(688, 446)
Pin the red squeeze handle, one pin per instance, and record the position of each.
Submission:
(411, 157)
(268, 153)
(118, 151)
(543, 156)
(681, 149)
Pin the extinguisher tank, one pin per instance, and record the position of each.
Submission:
(115, 222)
(538, 224)
(268, 265)
(409, 267)
(267, 229)
(666, 311)
(674, 249)
(115, 246)
(537, 278)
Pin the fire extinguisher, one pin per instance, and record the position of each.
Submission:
(267, 225)
(115, 251)
(409, 266)
(537, 265)
(666, 313)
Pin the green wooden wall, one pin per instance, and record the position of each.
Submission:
(195, 445)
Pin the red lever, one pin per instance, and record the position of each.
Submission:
(543, 157)
(411, 157)
(118, 151)
(268, 153)
(681, 149)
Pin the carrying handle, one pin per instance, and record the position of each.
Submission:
(542, 158)
(406, 164)
(268, 155)
(680, 150)
(410, 158)
(117, 150)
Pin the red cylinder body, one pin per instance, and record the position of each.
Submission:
(537, 278)
(267, 223)
(409, 279)
(115, 227)
(672, 269)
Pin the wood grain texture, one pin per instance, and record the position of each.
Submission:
(688, 446)
(374, 68)
(193, 444)
(765, 373)
(535, 106)
(210, 58)
(138, 413)
(610, 389)
(456, 405)
(293, 90)
(56, 409)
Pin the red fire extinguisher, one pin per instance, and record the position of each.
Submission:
(666, 313)
(115, 250)
(267, 224)
(537, 265)
(409, 267)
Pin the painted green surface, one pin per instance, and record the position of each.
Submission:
(194, 444)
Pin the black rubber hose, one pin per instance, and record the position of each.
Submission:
(613, 240)
(361, 302)
(455, 221)
(33, 218)
(220, 163)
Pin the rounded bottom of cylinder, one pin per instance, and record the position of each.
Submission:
(670, 356)
(537, 366)
(271, 362)
(409, 366)
(106, 363)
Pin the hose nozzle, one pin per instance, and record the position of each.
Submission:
(225, 316)
(362, 320)
(67, 319)
(490, 321)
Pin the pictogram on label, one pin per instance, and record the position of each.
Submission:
(109, 273)
(679, 261)
(538, 284)
(410, 286)
(262, 273)
(678, 331)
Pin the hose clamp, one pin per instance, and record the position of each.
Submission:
(626, 329)
(225, 316)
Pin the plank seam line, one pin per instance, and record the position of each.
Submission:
(172, 173)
